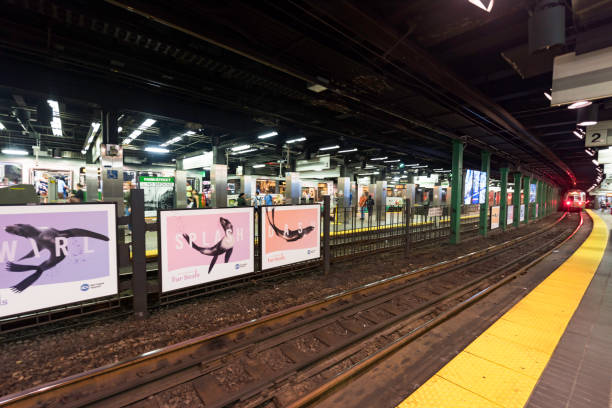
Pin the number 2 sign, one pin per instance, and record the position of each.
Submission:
(599, 135)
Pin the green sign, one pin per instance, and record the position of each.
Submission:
(156, 179)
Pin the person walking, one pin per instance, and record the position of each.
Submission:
(362, 204)
(257, 200)
(268, 199)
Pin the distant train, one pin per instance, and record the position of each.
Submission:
(575, 200)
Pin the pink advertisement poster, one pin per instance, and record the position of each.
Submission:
(204, 245)
(290, 234)
(52, 255)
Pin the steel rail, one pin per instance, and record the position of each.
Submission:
(362, 366)
(104, 382)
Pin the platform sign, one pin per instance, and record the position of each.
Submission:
(290, 234)
(434, 212)
(510, 217)
(52, 255)
(204, 245)
(495, 217)
(599, 135)
(522, 213)
(158, 193)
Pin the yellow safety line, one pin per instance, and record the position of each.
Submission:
(502, 366)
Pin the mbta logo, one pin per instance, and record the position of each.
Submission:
(85, 287)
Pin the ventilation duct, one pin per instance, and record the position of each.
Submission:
(546, 25)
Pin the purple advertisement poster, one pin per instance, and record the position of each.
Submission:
(204, 245)
(52, 255)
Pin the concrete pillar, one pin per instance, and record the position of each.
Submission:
(503, 200)
(485, 166)
(380, 197)
(344, 192)
(247, 186)
(218, 185)
(410, 193)
(180, 189)
(91, 181)
(437, 196)
(456, 181)
(516, 198)
(111, 172)
(293, 188)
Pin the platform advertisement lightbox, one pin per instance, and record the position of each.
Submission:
(204, 245)
(52, 255)
(522, 213)
(495, 217)
(290, 234)
(510, 217)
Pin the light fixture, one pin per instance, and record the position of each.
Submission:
(240, 148)
(590, 153)
(56, 122)
(316, 87)
(329, 147)
(578, 134)
(15, 152)
(143, 126)
(258, 166)
(547, 95)
(391, 161)
(156, 149)
(348, 150)
(379, 158)
(588, 116)
(119, 129)
(412, 165)
(299, 139)
(595, 162)
(267, 135)
(95, 126)
(246, 151)
(172, 141)
(579, 104)
(2, 127)
(83, 151)
(486, 5)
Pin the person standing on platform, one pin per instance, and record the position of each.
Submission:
(370, 205)
(78, 194)
(362, 204)
(257, 200)
(241, 200)
(268, 199)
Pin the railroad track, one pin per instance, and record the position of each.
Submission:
(315, 346)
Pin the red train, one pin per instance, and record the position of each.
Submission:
(575, 200)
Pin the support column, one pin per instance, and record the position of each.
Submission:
(525, 200)
(218, 185)
(516, 199)
(503, 200)
(539, 199)
(109, 127)
(485, 157)
(293, 188)
(456, 179)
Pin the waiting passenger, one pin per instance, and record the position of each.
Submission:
(241, 200)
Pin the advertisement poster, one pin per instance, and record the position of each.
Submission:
(52, 255)
(204, 245)
(532, 193)
(476, 188)
(158, 193)
(472, 187)
(482, 187)
(522, 213)
(510, 218)
(290, 234)
(495, 217)
(10, 174)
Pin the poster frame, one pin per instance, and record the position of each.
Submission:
(498, 209)
(116, 249)
(160, 252)
(261, 237)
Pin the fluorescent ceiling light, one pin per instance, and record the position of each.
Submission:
(547, 95)
(587, 123)
(240, 148)
(267, 135)
(258, 166)
(119, 129)
(486, 5)
(578, 134)
(156, 149)
(15, 152)
(56, 122)
(2, 127)
(189, 133)
(329, 147)
(379, 158)
(579, 104)
(83, 151)
(299, 139)
(348, 150)
(590, 153)
(143, 126)
(316, 88)
(438, 169)
(595, 162)
(412, 165)
(391, 161)
(246, 151)
(171, 141)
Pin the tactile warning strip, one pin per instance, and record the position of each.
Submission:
(502, 366)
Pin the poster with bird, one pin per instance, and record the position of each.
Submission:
(52, 255)
(290, 234)
(204, 245)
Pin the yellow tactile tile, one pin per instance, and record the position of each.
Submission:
(527, 360)
(446, 395)
(502, 366)
(491, 381)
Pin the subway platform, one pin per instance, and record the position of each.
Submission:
(551, 349)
